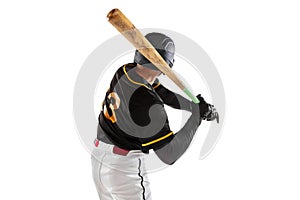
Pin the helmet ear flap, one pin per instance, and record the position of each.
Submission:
(141, 60)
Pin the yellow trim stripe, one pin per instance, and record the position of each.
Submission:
(156, 85)
(157, 140)
(134, 82)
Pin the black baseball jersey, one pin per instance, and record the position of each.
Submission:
(133, 115)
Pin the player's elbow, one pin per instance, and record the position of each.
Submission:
(168, 161)
(166, 158)
(171, 163)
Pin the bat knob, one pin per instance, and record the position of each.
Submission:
(112, 12)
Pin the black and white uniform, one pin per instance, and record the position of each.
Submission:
(133, 121)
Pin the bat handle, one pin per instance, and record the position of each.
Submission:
(189, 93)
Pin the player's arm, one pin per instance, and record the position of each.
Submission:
(183, 138)
(171, 98)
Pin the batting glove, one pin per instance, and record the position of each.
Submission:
(207, 111)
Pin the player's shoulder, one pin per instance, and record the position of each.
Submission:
(123, 70)
(126, 67)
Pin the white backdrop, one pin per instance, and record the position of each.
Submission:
(254, 44)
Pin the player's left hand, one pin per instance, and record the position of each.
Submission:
(207, 111)
(211, 114)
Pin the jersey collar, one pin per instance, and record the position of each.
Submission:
(134, 78)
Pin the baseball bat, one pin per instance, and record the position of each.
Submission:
(137, 39)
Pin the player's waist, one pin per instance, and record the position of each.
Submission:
(126, 141)
(102, 146)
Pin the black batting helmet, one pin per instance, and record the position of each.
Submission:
(164, 46)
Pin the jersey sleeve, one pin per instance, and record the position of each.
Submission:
(171, 98)
(181, 140)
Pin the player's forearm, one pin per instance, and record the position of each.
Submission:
(173, 99)
(179, 144)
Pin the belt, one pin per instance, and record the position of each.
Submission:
(116, 150)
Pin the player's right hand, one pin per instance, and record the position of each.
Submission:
(207, 111)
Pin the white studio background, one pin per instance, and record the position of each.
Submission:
(255, 46)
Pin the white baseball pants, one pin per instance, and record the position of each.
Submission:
(119, 177)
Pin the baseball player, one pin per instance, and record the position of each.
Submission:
(133, 121)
